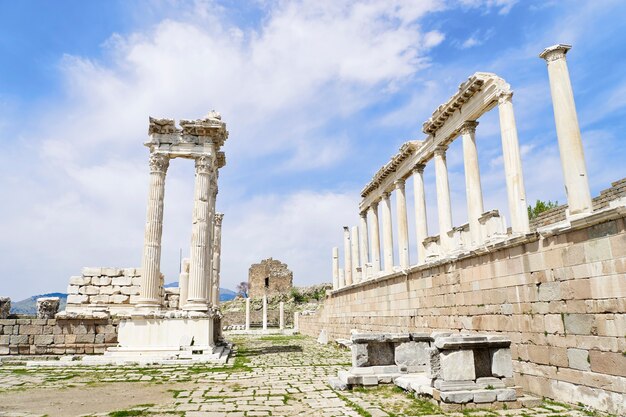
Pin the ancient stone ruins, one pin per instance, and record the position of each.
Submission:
(497, 312)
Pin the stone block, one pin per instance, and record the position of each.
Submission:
(433, 364)
(457, 397)
(91, 272)
(359, 355)
(85, 338)
(126, 290)
(5, 307)
(508, 394)
(369, 380)
(77, 299)
(457, 365)
(100, 281)
(27, 329)
(19, 339)
(79, 280)
(485, 396)
(5, 350)
(442, 385)
(129, 272)
(44, 339)
(89, 290)
(5, 339)
(411, 354)
(122, 281)
(47, 307)
(608, 362)
(501, 363)
(136, 281)
(336, 384)
(579, 323)
(112, 272)
(549, 291)
(72, 289)
(578, 359)
(118, 299)
(490, 382)
(99, 299)
(107, 290)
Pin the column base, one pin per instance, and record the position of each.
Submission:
(197, 305)
(145, 305)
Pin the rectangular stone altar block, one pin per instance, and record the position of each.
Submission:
(457, 365)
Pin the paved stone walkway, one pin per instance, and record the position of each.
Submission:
(270, 376)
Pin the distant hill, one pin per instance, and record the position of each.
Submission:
(29, 305)
(225, 293)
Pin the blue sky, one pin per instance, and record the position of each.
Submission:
(317, 96)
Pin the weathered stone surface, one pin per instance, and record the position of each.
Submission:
(485, 396)
(579, 323)
(269, 277)
(336, 384)
(455, 385)
(578, 359)
(506, 395)
(411, 354)
(100, 281)
(5, 307)
(359, 355)
(380, 337)
(482, 362)
(380, 353)
(457, 365)
(501, 363)
(89, 290)
(91, 272)
(47, 307)
(490, 382)
(323, 337)
(433, 365)
(611, 363)
(122, 281)
(77, 299)
(457, 397)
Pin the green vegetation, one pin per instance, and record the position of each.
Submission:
(540, 207)
(127, 413)
(281, 338)
(360, 410)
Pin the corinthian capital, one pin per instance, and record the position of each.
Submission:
(159, 162)
(505, 96)
(469, 127)
(555, 52)
(218, 219)
(204, 165)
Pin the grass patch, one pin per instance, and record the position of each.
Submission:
(281, 338)
(127, 413)
(556, 403)
(360, 410)
(20, 371)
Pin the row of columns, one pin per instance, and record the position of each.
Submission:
(574, 172)
(199, 280)
(281, 314)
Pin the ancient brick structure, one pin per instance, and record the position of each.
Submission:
(270, 277)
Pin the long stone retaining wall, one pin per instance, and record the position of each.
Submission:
(559, 295)
(57, 336)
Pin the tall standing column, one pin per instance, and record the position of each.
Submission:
(210, 270)
(264, 312)
(281, 315)
(183, 284)
(512, 165)
(421, 221)
(197, 298)
(149, 293)
(248, 313)
(217, 252)
(387, 233)
(336, 268)
(473, 189)
(444, 209)
(568, 131)
(354, 247)
(347, 256)
(363, 245)
(375, 238)
(403, 225)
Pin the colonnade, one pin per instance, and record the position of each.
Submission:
(362, 258)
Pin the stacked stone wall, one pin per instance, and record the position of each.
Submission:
(280, 279)
(561, 299)
(56, 336)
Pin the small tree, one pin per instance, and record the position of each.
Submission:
(242, 289)
(540, 207)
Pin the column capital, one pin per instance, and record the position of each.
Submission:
(363, 214)
(440, 150)
(159, 162)
(204, 165)
(399, 183)
(469, 127)
(346, 229)
(374, 205)
(386, 195)
(218, 219)
(419, 168)
(504, 96)
(555, 52)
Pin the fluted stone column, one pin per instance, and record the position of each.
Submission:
(473, 189)
(363, 245)
(512, 165)
(200, 237)
(210, 269)
(335, 268)
(444, 209)
(403, 225)
(217, 252)
(281, 315)
(354, 248)
(568, 131)
(387, 233)
(183, 284)
(347, 256)
(264, 312)
(149, 291)
(421, 221)
(375, 238)
(247, 313)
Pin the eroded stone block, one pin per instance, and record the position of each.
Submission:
(359, 355)
(485, 396)
(433, 365)
(501, 363)
(457, 365)
(47, 307)
(457, 397)
(411, 354)
(579, 323)
(5, 307)
(578, 359)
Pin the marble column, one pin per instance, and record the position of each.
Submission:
(296, 321)
(421, 221)
(210, 269)
(444, 209)
(183, 284)
(217, 251)
(149, 291)
(403, 225)
(335, 268)
(264, 312)
(473, 189)
(568, 131)
(281, 315)
(197, 298)
(247, 313)
(387, 233)
(354, 248)
(375, 238)
(512, 159)
(363, 245)
(347, 256)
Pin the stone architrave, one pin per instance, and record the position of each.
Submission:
(347, 256)
(217, 251)
(197, 298)
(403, 225)
(568, 130)
(336, 283)
(247, 313)
(265, 312)
(47, 307)
(149, 292)
(375, 238)
(444, 209)
(387, 233)
(473, 189)
(281, 315)
(421, 221)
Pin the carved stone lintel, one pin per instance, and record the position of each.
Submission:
(159, 163)
(505, 96)
(161, 126)
(468, 127)
(555, 52)
(204, 165)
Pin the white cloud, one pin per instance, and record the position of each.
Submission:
(503, 6)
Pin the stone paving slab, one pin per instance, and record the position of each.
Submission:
(270, 375)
